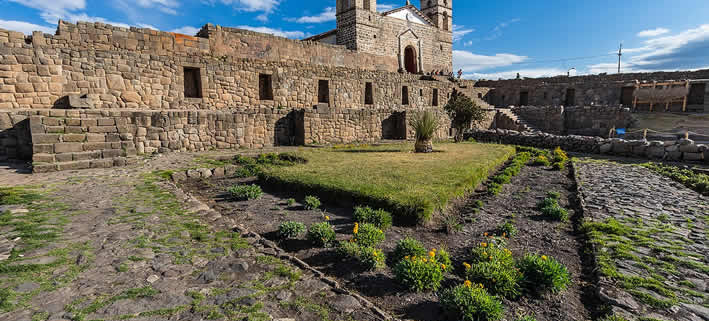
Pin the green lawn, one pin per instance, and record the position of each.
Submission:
(412, 186)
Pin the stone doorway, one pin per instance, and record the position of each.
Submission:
(696, 94)
(627, 96)
(394, 127)
(410, 62)
(524, 98)
(570, 97)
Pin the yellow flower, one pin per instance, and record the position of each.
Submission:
(467, 283)
(425, 260)
(485, 234)
(481, 285)
(432, 254)
(443, 266)
(407, 257)
(544, 257)
(467, 266)
(327, 218)
(356, 228)
(491, 258)
(483, 244)
(485, 253)
(434, 250)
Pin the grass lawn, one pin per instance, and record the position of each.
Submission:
(412, 186)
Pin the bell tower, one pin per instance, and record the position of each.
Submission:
(356, 23)
(440, 12)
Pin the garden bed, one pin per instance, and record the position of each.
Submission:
(516, 202)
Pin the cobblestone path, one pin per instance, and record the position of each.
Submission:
(651, 241)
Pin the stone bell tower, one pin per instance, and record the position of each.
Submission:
(440, 12)
(357, 23)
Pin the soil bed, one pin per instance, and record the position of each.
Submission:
(516, 202)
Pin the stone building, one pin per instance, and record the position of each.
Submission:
(96, 95)
(411, 40)
(608, 90)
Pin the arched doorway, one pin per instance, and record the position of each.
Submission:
(410, 60)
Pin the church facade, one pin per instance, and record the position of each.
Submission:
(415, 40)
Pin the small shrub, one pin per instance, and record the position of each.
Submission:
(245, 192)
(514, 168)
(471, 302)
(558, 166)
(541, 160)
(289, 230)
(526, 318)
(542, 273)
(246, 171)
(550, 208)
(243, 160)
(507, 230)
(311, 203)
(479, 204)
(321, 234)
(368, 235)
(554, 195)
(282, 159)
(443, 257)
(367, 257)
(419, 274)
(290, 202)
(560, 156)
(380, 218)
(407, 247)
(494, 267)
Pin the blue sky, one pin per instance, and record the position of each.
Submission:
(493, 39)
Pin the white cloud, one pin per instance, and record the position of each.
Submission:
(53, 6)
(266, 6)
(653, 32)
(186, 30)
(687, 50)
(329, 14)
(510, 74)
(497, 31)
(25, 27)
(468, 43)
(459, 32)
(470, 62)
(275, 32)
(385, 7)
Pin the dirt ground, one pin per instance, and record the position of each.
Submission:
(517, 202)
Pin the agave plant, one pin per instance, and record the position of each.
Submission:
(425, 124)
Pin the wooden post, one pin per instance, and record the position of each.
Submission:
(684, 104)
(635, 99)
(686, 135)
(652, 98)
(645, 134)
(610, 133)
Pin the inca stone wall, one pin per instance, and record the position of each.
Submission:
(605, 90)
(588, 120)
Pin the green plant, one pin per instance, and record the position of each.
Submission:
(425, 125)
(526, 318)
(696, 181)
(367, 235)
(560, 159)
(504, 177)
(550, 208)
(493, 266)
(407, 247)
(507, 229)
(289, 230)
(380, 218)
(321, 234)
(290, 202)
(541, 160)
(420, 273)
(464, 113)
(443, 257)
(245, 192)
(246, 171)
(542, 273)
(311, 203)
(554, 195)
(471, 302)
(367, 257)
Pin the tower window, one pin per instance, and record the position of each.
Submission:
(405, 95)
(368, 94)
(265, 87)
(193, 83)
(435, 97)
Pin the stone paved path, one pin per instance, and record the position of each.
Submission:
(651, 238)
(122, 244)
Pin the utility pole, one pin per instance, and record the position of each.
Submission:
(620, 54)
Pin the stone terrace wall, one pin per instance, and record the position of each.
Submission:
(681, 150)
(589, 120)
(79, 139)
(145, 69)
(588, 90)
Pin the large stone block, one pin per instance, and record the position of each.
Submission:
(67, 166)
(693, 157)
(115, 82)
(73, 138)
(45, 138)
(68, 148)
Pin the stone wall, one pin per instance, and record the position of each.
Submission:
(590, 90)
(79, 139)
(681, 150)
(15, 140)
(588, 120)
(145, 69)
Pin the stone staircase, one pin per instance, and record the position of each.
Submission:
(511, 117)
